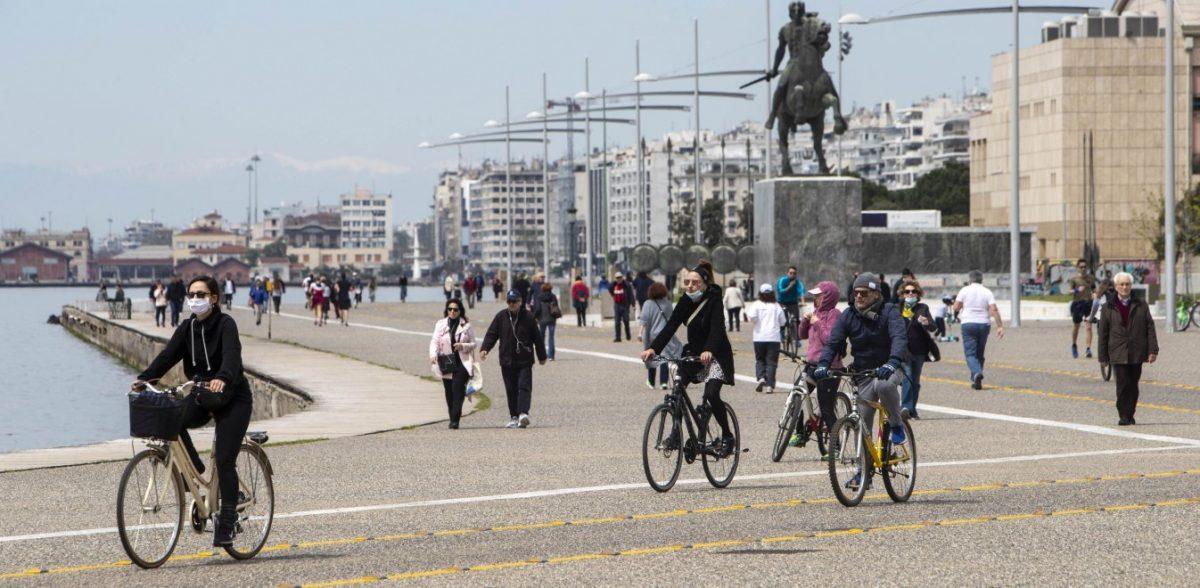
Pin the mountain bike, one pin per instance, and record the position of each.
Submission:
(853, 451)
(663, 445)
(1187, 314)
(150, 506)
(801, 414)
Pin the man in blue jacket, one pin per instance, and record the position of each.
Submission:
(787, 293)
(878, 339)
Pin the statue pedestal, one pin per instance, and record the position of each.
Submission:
(813, 223)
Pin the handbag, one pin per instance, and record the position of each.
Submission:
(445, 362)
(555, 311)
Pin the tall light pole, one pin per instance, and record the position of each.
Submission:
(641, 178)
(587, 166)
(696, 112)
(545, 181)
(249, 193)
(1014, 146)
(1169, 172)
(254, 161)
(508, 191)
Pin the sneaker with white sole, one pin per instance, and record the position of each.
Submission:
(523, 421)
(761, 384)
(512, 423)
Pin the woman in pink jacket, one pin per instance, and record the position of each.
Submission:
(816, 326)
(450, 355)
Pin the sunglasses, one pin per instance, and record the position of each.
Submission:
(453, 309)
(198, 294)
(862, 293)
(909, 291)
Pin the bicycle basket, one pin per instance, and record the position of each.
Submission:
(156, 416)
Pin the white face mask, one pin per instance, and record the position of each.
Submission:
(199, 305)
(695, 295)
(910, 300)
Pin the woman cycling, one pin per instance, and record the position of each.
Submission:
(701, 312)
(208, 345)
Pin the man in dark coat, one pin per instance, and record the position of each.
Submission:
(1127, 340)
(517, 332)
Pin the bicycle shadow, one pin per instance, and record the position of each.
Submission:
(768, 551)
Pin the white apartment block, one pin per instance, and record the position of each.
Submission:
(488, 213)
(367, 221)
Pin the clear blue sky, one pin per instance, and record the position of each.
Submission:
(109, 109)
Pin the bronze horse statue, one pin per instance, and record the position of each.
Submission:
(805, 90)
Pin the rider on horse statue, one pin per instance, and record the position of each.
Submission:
(805, 89)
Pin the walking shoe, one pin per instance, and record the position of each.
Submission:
(453, 424)
(977, 382)
(853, 483)
(795, 441)
(898, 436)
(650, 384)
(616, 340)
(664, 385)
(1088, 354)
(770, 390)
(1074, 351)
(1124, 423)
(761, 384)
(523, 421)
(1132, 421)
(512, 423)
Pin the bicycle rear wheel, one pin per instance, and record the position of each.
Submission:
(256, 503)
(149, 509)
(787, 426)
(719, 466)
(900, 466)
(1184, 317)
(1195, 315)
(848, 458)
(662, 454)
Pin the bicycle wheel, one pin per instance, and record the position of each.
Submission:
(256, 503)
(149, 509)
(661, 454)
(900, 466)
(1184, 317)
(1195, 314)
(719, 466)
(841, 409)
(848, 458)
(787, 425)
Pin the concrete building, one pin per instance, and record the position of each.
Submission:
(206, 233)
(75, 244)
(30, 262)
(147, 262)
(366, 227)
(488, 213)
(450, 213)
(1100, 74)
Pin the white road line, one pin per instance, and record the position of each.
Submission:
(603, 488)
(1078, 427)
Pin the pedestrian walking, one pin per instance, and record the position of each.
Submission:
(229, 289)
(768, 318)
(622, 297)
(976, 308)
(1127, 341)
(344, 287)
(176, 293)
(159, 296)
(547, 311)
(517, 334)
(653, 318)
(602, 286)
(816, 326)
(316, 298)
(497, 287)
(450, 351)
(257, 300)
(469, 291)
(357, 286)
(306, 284)
(448, 286)
(102, 293)
(522, 285)
(1083, 290)
(403, 283)
(734, 302)
(580, 296)
(641, 288)
(119, 295)
(277, 290)
(372, 287)
(939, 312)
(921, 346)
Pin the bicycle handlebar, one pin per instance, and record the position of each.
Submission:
(181, 389)
(684, 359)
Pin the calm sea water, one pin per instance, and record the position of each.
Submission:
(60, 391)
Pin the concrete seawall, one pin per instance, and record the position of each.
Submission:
(271, 398)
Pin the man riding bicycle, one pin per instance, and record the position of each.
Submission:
(787, 293)
(878, 340)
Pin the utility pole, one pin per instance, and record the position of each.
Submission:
(1014, 202)
(696, 112)
(1169, 175)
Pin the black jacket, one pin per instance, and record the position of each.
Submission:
(873, 342)
(541, 308)
(176, 292)
(1123, 343)
(526, 333)
(705, 332)
(919, 341)
(209, 349)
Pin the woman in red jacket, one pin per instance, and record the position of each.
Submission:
(580, 295)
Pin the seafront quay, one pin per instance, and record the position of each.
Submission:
(1032, 464)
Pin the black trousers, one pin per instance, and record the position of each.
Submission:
(518, 386)
(1127, 376)
(232, 421)
(277, 300)
(176, 308)
(621, 317)
(941, 327)
(580, 315)
(456, 390)
(735, 318)
(712, 393)
(160, 316)
(827, 399)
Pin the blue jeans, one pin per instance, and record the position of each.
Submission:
(549, 340)
(974, 337)
(912, 383)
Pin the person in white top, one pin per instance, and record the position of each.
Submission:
(734, 302)
(769, 319)
(976, 308)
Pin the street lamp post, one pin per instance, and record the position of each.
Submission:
(641, 178)
(254, 161)
(1169, 172)
(249, 193)
(545, 181)
(696, 112)
(508, 191)
(587, 166)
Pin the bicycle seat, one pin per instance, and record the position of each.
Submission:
(259, 437)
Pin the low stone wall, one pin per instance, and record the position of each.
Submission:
(271, 398)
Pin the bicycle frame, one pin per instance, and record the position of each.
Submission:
(875, 451)
(679, 396)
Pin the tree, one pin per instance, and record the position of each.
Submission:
(746, 221)
(712, 223)
(252, 256)
(682, 225)
(1150, 224)
(947, 189)
(275, 249)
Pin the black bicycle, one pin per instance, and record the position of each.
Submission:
(801, 413)
(663, 445)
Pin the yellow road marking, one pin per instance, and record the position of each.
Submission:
(900, 527)
(500, 566)
(1074, 374)
(966, 521)
(346, 582)
(619, 519)
(651, 550)
(716, 544)
(1063, 396)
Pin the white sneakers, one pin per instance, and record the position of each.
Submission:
(523, 421)
(512, 424)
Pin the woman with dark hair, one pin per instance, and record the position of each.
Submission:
(545, 308)
(450, 355)
(700, 311)
(343, 299)
(207, 344)
(654, 316)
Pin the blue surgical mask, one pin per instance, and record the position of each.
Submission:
(910, 300)
(695, 295)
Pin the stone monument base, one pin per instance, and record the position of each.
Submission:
(813, 223)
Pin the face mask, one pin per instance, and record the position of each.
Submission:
(199, 306)
(910, 300)
(695, 295)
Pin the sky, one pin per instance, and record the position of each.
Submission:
(132, 109)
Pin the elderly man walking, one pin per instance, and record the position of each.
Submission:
(1127, 341)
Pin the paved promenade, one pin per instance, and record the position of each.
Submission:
(1028, 481)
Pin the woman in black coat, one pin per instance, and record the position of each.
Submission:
(920, 324)
(701, 311)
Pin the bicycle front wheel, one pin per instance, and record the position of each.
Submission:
(787, 425)
(900, 466)
(849, 470)
(149, 509)
(720, 460)
(662, 453)
(256, 503)
(1184, 317)
(841, 408)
